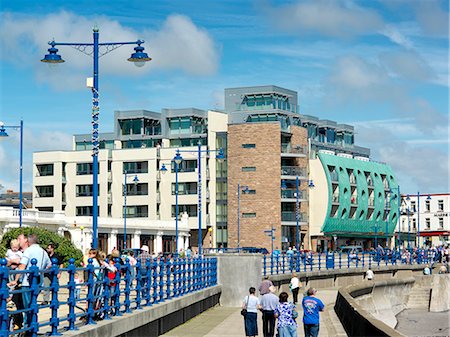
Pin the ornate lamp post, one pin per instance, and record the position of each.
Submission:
(138, 58)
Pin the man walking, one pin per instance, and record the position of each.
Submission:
(311, 308)
(269, 303)
(48, 276)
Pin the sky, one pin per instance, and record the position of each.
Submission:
(380, 65)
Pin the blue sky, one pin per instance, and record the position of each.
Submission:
(381, 66)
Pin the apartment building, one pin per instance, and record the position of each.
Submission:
(424, 220)
(276, 187)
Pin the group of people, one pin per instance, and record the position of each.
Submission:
(278, 311)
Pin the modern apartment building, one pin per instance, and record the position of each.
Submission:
(424, 220)
(250, 199)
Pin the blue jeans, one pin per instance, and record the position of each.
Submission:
(26, 298)
(311, 330)
(287, 331)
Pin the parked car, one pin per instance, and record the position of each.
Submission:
(254, 250)
(349, 249)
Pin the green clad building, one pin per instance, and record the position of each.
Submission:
(354, 201)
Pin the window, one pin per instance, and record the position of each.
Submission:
(185, 166)
(45, 170)
(414, 224)
(137, 211)
(85, 190)
(84, 211)
(440, 205)
(250, 192)
(185, 188)
(45, 191)
(441, 223)
(427, 205)
(249, 215)
(84, 169)
(191, 210)
(427, 223)
(413, 206)
(137, 189)
(248, 146)
(135, 167)
(130, 126)
(248, 168)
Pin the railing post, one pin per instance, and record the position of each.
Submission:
(148, 281)
(155, 281)
(184, 275)
(297, 262)
(320, 255)
(348, 260)
(189, 275)
(304, 261)
(271, 264)
(54, 304)
(340, 260)
(370, 261)
(117, 279)
(35, 289)
(264, 265)
(128, 281)
(283, 258)
(168, 282)
(71, 301)
(90, 296)
(161, 280)
(4, 294)
(106, 285)
(138, 284)
(363, 254)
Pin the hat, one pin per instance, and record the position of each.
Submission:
(144, 248)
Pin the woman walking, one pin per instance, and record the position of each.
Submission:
(251, 304)
(295, 285)
(286, 314)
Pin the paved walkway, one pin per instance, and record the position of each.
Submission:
(227, 322)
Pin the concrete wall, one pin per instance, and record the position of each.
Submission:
(440, 294)
(154, 320)
(236, 273)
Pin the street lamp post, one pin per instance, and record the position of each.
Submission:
(387, 212)
(220, 156)
(244, 189)
(409, 225)
(398, 216)
(135, 181)
(177, 160)
(138, 58)
(3, 133)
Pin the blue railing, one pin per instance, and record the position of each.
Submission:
(108, 294)
(304, 261)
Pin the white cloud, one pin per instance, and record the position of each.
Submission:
(408, 65)
(331, 18)
(433, 17)
(396, 36)
(179, 44)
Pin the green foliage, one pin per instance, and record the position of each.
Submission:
(64, 247)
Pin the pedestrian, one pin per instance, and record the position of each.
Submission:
(143, 257)
(13, 256)
(264, 287)
(369, 274)
(48, 275)
(78, 283)
(269, 303)
(286, 314)
(427, 270)
(295, 285)
(311, 308)
(252, 305)
(34, 251)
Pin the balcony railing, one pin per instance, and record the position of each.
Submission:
(293, 171)
(294, 149)
(291, 194)
(291, 216)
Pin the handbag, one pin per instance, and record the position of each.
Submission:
(244, 311)
(294, 313)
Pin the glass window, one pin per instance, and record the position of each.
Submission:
(84, 169)
(85, 190)
(248, 168)
(45, 191)
(440, 205)
(136, 211)
(185, 166)
(185, 188)
(135, 167)
(441, 223)
(131, 126)
(85, 210)
(45, 170)
(191, 210)
(427, 223)
(427, 205)
(137, 189)
(249, 215)
(248, 146)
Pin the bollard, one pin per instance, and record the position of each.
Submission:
(71, 302)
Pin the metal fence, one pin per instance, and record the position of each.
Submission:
(130, 288)
(303, 262)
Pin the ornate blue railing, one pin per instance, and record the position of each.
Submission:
(128, 289)
(302, 262)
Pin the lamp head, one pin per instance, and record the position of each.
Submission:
(52, 57)
(163, 169)
(408, 198)
(220, 156)
(311, 184)
(283, 184)
(178, 159)
(135, 180)
(428, 198)
(139, 57)
(3, 132)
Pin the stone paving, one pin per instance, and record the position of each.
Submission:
(227, 322)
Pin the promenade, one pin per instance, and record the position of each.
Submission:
(228, 322)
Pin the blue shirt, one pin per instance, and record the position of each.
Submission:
(34, 252)
(311, 307)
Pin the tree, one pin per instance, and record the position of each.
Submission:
(64, 247)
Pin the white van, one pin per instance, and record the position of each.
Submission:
(349, 249)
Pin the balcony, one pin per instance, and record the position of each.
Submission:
(207, 195)
(290, 216)
(293, 171)
(109, 198)
(288, 150)
(158, 197)
(109, 177)
(291, 194)
(334, 176)
(335, 198)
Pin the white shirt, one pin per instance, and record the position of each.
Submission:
(251, 303)
(294, 282)
(369, 274)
